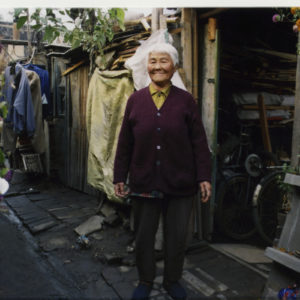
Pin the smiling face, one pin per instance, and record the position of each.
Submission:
(160, 69)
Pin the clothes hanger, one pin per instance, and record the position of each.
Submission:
(31, 58)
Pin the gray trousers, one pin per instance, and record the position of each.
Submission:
(176, 215)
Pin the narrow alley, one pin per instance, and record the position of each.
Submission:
(160, 105)
(42, 257)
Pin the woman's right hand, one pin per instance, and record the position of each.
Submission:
(120, 190)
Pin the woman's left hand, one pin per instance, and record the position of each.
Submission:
(205, 188)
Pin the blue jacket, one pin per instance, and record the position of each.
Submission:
(18, 96)
(45, 88)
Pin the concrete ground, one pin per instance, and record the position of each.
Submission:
(42, 256)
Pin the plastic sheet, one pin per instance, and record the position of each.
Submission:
(107, 97)
(138, 62)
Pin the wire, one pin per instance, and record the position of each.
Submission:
(3, 48)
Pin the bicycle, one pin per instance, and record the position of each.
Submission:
(270, 200)
(252, 202)
(234, 199)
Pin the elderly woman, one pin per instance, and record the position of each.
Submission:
(163, 148)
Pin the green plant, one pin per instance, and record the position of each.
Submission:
(91, 28)
(287, 169)
(3, 114)
(291, 15)
(2, 83)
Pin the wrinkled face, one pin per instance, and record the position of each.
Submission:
(160, 68)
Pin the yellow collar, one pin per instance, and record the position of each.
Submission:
(164, 91)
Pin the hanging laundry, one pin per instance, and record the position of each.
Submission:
(107, 97)
(45, 88)
(17, 93)
(38, 141)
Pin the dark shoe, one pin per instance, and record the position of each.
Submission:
(142, 291)
(175, 290)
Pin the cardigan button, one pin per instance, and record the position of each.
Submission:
(158, 128)
(158, 162)
(158, 114)
(158, 147)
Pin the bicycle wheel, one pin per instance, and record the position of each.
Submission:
(269, 199)
(233, 214)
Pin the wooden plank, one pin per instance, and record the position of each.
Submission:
(296, 126)
(156, 12)
(209, 99)
(144, 22)
(149, 19)
(195, 88)
(186, 44)
(162, 22)
(16, 42)
(267, 107)
(175, 31)
(212, 27)
(264, 124)
(127, 42)
(69, 70)
(212, 12)
(16, 32)
(209, 73)
(128, 51)
(287, 56)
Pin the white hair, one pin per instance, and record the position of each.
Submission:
(164, 48)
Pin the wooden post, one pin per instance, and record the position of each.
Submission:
(16, 32)
(162, 22)
(209, 87)
(195, 74)
(186, 44)
(212, 28)
(29, 34)
(209, 104)
(156, 12)
(264, 124)
(296, 126)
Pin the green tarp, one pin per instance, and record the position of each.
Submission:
(107, 97)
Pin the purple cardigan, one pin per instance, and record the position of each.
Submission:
(164, 150)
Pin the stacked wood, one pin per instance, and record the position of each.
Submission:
(125, 43)
(259, 69)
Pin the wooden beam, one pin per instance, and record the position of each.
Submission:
(212, 27)
(175, 31)
(195, 41)
(209, 86)
(69, 70)
(267, 107)
(156, 12)
(284, 55)
(264, 124)
(145, 24)
(15, 42)
(16, 32)
(212, 12)
(186, 44)
(296, 126)
(162, 22)
(149, 19)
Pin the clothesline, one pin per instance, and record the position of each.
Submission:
(3, 48)
(13, 60)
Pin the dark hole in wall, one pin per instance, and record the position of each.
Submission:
(241, 71)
